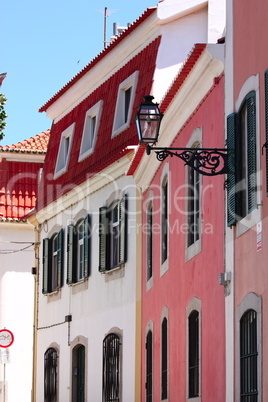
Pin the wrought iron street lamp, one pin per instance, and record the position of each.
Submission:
(206, 161)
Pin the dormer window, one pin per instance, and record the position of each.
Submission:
(64, 151)
(90, 131)
(124, 104)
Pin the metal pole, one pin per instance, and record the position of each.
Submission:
(4, 400)
(105, 17)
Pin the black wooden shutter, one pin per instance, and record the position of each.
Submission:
(123, 230)
(252, 155)
(231, 166)
(103, 233)
(87, 237)
(46, 264)
(60, 240)
(266, 125)
(70, 253)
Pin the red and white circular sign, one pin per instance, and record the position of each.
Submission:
(6, 338)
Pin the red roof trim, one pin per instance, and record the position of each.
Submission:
(172, 91)
(96, 60)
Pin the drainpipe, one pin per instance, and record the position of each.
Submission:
(35, 272)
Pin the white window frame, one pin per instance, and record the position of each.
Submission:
(63, 155)
(252, 84)
(119, 123)
(195, 248)
(90, 134)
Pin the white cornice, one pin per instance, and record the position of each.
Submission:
(22, 156)
(88, 187)
(193, 90)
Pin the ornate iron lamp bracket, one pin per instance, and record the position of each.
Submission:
(206, 161)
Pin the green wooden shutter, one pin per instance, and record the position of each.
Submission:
(251, 148)
(87, 237)
(266, 125)
(60, 262)
(123, 229)
(103, 232)
(46, 263)
(231, 169)
(70, 254)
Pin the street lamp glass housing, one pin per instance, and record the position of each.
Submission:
(148, 119)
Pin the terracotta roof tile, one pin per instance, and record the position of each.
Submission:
(36, 144)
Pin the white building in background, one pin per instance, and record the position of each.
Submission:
(19, 171)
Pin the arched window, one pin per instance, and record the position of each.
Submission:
(149, 366)
(50, 375)
(248, 357)
(164, 359)
(78, 373)
(111, 368)
(193, 354)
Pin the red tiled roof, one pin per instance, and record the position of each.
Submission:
(108, 149)
(19, 179)
(96, 60)
(170, 94)
(36, 144)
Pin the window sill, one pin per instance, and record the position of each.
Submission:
(115, 273)
(149, 284)
(53, 296)
(193, 250)
(248, 222)
(164, 267)
(79, 286)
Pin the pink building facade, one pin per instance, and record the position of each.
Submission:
(183, 341)
(246, 235)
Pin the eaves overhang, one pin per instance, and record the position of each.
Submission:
(192, 84)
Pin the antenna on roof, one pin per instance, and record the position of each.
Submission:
(104, 33)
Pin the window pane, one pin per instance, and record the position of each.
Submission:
(127, 102)
(149, 367)
(193, 333)
(111, 368)
(149, 242)
(114, 236)
(248, 357)
(164, 221)
(164, 359)
(54, 272)
(50, 375)
(193, 206)
(80, 251)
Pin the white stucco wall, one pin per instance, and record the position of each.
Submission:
(95, 311)
(16, 310)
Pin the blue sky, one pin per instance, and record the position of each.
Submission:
(46, 43)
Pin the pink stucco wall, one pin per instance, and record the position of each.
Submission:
(196, 278)
(251, 58)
